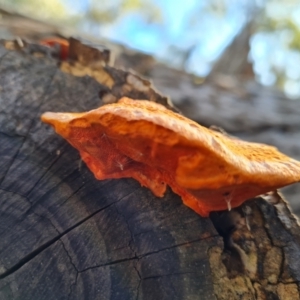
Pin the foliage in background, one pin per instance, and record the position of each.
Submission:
(42, 9)
(107, 11)
(279, 28)
(189, 34)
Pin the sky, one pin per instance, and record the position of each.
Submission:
(208, 34)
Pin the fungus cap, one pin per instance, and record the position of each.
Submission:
(157, 147)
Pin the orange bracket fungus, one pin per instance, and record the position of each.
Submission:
(157, 147)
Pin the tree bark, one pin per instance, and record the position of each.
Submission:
(65, 235)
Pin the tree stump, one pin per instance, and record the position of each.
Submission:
(66, 235)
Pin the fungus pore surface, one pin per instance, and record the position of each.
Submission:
(157, 147)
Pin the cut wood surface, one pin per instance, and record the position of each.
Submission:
(242, 107)
(66, 235)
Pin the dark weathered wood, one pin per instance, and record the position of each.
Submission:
(65, 235)
(242, 107)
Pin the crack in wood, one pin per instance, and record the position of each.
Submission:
(111, 263)
(132, 250)
(179, 245)
(12, 161)
(70, 258)
(16, 193)
(73, 285)
(44, 174)
(128, 227)
(33, 205)
(46, 245)
(138, 257)
(167, 275)
(139, 283)
(37, 251)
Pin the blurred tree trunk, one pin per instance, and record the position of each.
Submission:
(234, 60)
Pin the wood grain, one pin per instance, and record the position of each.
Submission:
(65, 235)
